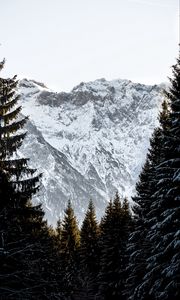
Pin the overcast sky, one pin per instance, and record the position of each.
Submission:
(65, 42)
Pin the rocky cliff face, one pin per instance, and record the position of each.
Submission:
(90, 142)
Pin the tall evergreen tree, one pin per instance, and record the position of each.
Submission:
(16, 169)
(70, 243)
(154, 259)
(15, 206)
(22, 228)
(164, 259)
(139, 245)
(115, 228)
(89, 253)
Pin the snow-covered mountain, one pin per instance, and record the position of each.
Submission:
(90, 142)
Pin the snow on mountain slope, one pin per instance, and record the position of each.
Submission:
(60, 181)
(89, 142)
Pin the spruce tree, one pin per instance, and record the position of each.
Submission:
(136, 246)
(89, 253)
(15, 204)
(164, 261)
(70, 243)
(115, 228)
(22, 228)
(154, 260)
(16, 169)
(60, 259)
(139, 245)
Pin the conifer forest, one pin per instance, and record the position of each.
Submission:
(132, 253)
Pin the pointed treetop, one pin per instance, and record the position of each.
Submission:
(109, 208)
(125, 205)
(107, 216)
(117, 203)
(90, 216)
(59, 225)
(2, 63)
(91, 205)
(164, 114)
(89, 227)
(91, 211)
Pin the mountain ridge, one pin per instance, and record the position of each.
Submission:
(102, 128)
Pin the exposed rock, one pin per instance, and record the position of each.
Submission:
(90, 142)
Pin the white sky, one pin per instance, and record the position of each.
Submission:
(65, 42)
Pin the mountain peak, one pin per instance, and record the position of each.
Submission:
(97, 137)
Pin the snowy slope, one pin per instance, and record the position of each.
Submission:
(91, 141)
